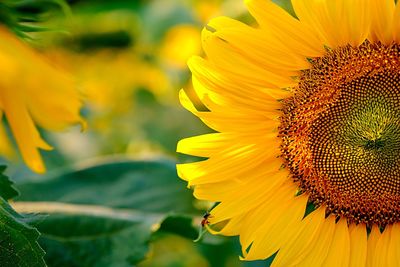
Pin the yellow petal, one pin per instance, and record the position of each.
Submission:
(396, 23)
(340, 246)
(393, 255)
(233, 122)
(289, 30)
(232, 227)
(382, 12)
(251, 196)
(223, 55)
(320, 246)
(349, 21)
(64, 107)
(49, 92)
(380, 257)
(358, 245)
(336, 23)
(259, 46)
(216, 80)
(205, 145)
(34, 92)
(204, 189)
(226, 153)
(371, 245)
(263, 217)
(218, 99)
(314, 14)
(275, 233)
(218, 169)
(299, 246)
(23, 128)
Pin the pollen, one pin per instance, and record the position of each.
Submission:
(340, 133)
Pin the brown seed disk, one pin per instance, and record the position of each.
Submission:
(341, 133)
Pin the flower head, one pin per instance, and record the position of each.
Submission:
(34, 92)
(305, 162)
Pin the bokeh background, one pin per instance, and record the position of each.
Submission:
(129, 60)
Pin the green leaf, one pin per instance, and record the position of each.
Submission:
(7, 191)
(18, 240)
(179, 225)
(106, 213)
(23, 16)
(81, 237)
(151, 186)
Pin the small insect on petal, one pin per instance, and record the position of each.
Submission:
(205, 220)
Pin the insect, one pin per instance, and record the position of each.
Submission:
(205, 221)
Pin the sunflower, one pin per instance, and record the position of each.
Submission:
(305, 161)
(33, 92)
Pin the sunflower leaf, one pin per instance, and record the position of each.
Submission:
(18, 240)
(179, 225)
(105, 214)
(7, 190)
(81, 235)
(151, 186)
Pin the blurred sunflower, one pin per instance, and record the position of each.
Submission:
(305, 162)
(33, 92)
(180, 43)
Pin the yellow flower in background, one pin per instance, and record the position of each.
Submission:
(207, 10)
(108, 78)
(173, 250)
(180, 43)
(307, 115)
(106, 59)
(34, 92)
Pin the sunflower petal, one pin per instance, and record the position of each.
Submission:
(299, 246)
(396, 23)
(288, 29)
(275, 233)
(393, 256)
(259, 46)
(382, 246)
(223, 55)
(336, 23)
(23, 128)
(382, 12)
(373, 238)
(321, 245)
(358, 245)
(340, 246)
(247, 198)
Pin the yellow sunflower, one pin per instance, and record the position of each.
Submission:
(33, 91)
(305, 163)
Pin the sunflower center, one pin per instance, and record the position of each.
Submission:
(341, 133)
